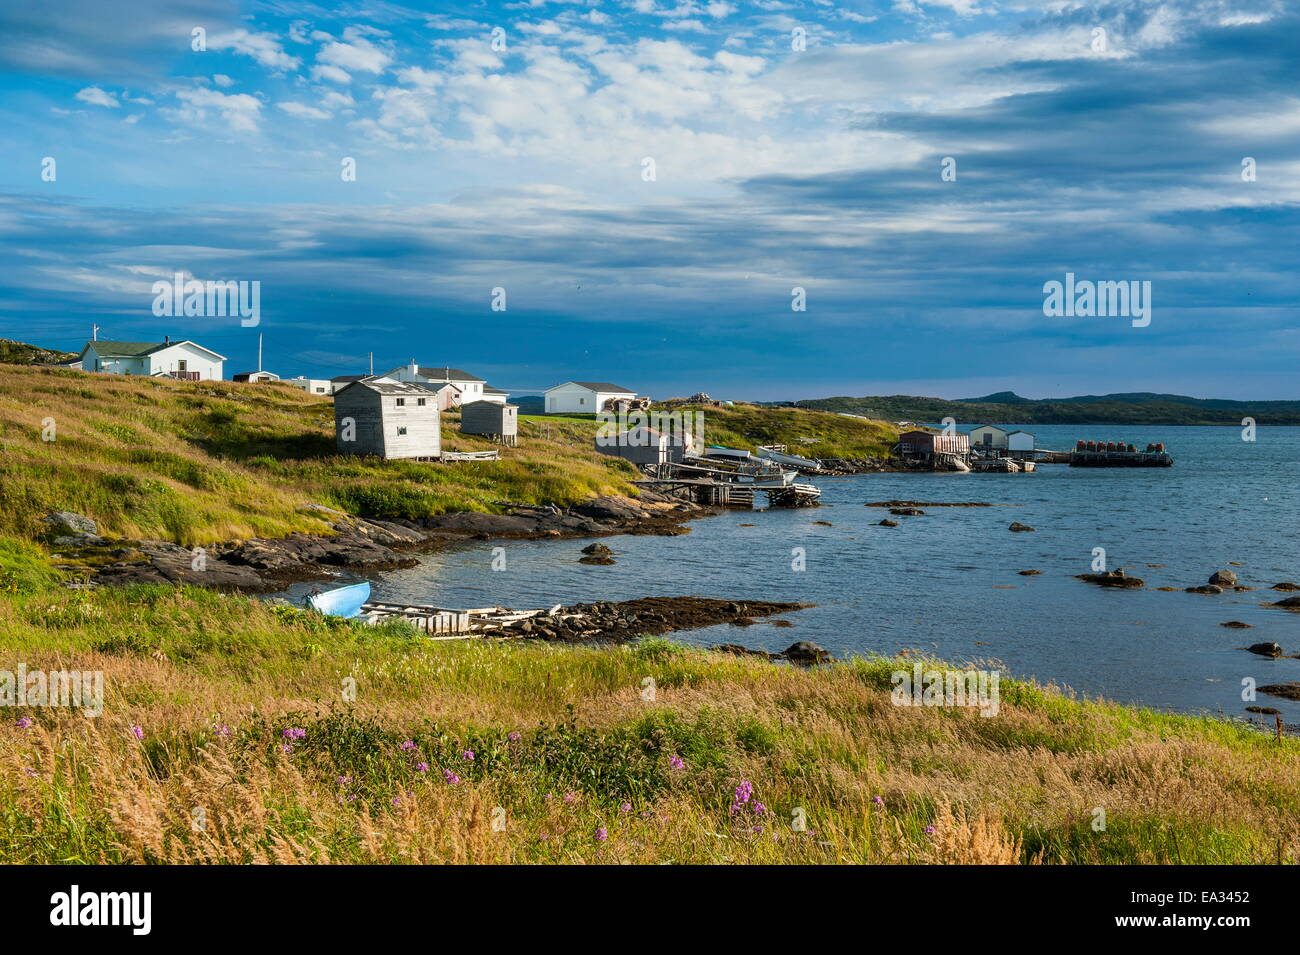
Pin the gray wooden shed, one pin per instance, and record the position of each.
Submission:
(498, 421)
(390, 419)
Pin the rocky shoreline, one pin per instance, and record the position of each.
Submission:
(357, 544)
(617, 622)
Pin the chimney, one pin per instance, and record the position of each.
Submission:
(415, 368)
(167, 339)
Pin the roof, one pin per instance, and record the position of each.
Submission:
(596, 386)
(993, 426)
(439, 373)
(249, 374)
(386, 386)
(489, 390)
(435, 386)
(1021, 431)
(106, 349)
(348, 377)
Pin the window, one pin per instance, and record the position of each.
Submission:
(582, 401)
(401, 402)
(419, 402)
(401, 431)
(181, 365)
(320, 391)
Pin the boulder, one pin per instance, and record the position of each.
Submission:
(1286, 585)
(1223, 578)
(1288, 603)
(1029, 573)
(1236, 625)
(1113, 578)
(1265, 649)
(805, 651)
(1288, 691)
(597, 549)
(887, 523)
(68, 521)
(1204, 589)
(1017, 526)
(906, 511)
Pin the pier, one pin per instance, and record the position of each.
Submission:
(1118, 454)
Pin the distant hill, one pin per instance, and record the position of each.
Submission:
(529, 404)
(21, 353)
(1007, 407)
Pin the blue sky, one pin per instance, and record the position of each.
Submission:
(1104, 139)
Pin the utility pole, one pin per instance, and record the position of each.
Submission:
(94, 333)
(372, 364)
(259, 351)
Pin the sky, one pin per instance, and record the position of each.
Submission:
(651, 183)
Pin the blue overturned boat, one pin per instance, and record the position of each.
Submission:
(341, 601)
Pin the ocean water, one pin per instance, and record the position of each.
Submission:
(945, 583)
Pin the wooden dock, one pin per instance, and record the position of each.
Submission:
(727, 494)
(1121, 459)
(441, 623)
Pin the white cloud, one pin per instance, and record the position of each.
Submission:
(331, 73)
(222, 80)
(355, 53)
(262, 47)
(97, 97)
(302, 111)
(239, 111)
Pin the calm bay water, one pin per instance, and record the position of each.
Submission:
(945, 583)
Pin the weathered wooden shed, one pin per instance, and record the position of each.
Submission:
(500, 422)
(930, 442)
(390, 419)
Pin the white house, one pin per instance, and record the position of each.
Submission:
(313, 386)
(988, 437)
(185, 360)
(582, 397)
(255, 377)
(1020, 441)
(471, 387)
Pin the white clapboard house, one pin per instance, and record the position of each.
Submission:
(468, 387)
(185, 360)
(582, 397)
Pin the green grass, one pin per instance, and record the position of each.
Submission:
(214, 680)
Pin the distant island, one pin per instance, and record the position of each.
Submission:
(1007, 407)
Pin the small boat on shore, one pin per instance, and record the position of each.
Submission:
(341, 601)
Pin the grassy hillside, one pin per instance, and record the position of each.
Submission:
(570, 762)
(806, 432)
(1136, 409)
(21, 353)
(206, 461)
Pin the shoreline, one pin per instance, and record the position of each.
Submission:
(260, 565)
